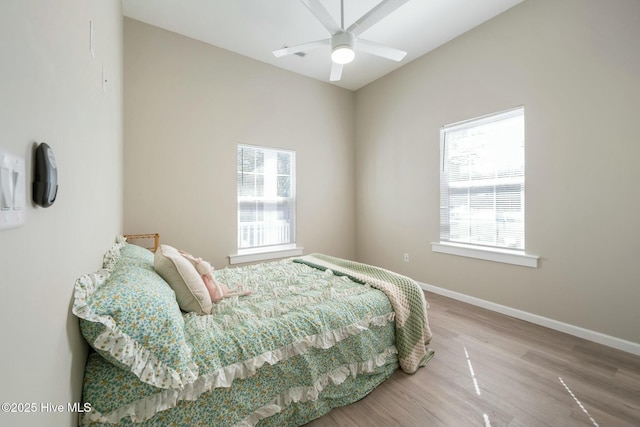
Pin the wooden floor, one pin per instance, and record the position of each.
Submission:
(494, 370)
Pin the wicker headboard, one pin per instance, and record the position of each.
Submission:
(154, 236)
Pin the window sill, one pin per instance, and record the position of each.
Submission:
(489, 254)
(264, 254)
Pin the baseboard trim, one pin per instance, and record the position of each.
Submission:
(600, 338)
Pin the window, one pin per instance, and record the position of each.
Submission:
(482, 183)
(266, 199)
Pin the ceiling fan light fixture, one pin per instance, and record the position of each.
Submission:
(343, 39)
(342, 48)
(342, 54)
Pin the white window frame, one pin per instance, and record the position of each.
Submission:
(468, 248)
(268, 251)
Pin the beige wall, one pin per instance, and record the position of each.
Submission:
(575, 66)
(51, 91)
(187, 106)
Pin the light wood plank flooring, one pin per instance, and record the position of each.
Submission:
(494, 370)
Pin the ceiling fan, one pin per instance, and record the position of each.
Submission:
(344, 42)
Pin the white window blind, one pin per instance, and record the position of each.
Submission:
(266, 197)
(482, 181)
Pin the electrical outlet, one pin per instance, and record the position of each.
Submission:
(406, 257)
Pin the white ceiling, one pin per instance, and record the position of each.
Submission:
(255, 28)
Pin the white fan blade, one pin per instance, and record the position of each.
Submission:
(336, 72)
(375, 15)
(325, 18)
(380, 50)
(301, 47)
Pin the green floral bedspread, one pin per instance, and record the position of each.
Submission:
(412, 325)
(304, 342)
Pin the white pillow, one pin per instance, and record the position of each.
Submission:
(184, 279)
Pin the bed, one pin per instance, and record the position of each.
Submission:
(316, 332)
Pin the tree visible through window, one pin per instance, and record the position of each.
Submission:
(266, 197)
(482, 181)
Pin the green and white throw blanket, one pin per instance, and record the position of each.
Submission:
(407, 299)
